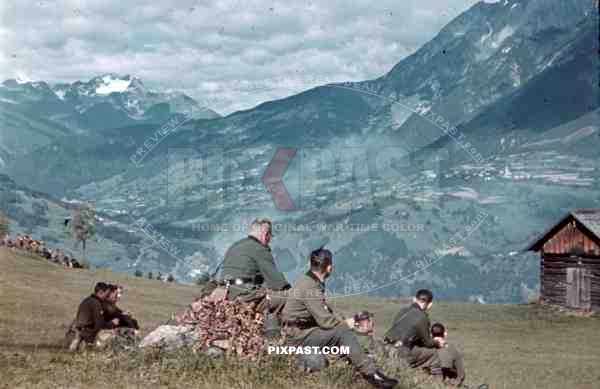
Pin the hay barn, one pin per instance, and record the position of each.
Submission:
(570, 261)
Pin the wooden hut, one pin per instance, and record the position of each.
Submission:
(570, 261)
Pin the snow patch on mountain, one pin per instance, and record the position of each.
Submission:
(133, 106)
(501, 36)
(515, 74)
(60, 93)
(112, 85)
(491, 41)
(23, 79)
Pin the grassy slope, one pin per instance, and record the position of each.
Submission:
(505, 346)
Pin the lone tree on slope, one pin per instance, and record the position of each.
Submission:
(83, 224)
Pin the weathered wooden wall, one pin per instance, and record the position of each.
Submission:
(554, 281)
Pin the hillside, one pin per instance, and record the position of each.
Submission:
(42, 216)
(506, 346)
(514, 77)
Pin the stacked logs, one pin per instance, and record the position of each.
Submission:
(234, 327)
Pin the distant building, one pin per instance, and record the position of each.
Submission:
(570, 261)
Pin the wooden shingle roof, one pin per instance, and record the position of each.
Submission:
(589, 218)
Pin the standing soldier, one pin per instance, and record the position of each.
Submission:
(249, 267)
(309, 321)
(411, 337)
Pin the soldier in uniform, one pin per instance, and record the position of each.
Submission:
(249, 269)
(309, 321)
(113, 315)
(451, 359)
(410, 335)
(364, 326)
(89, 320)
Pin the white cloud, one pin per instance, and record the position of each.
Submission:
(201, 47)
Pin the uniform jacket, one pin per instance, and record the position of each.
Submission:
(90, 318)
(111, 311)
(452, 364)
(411, 327)
(249, 259)
(306, 303)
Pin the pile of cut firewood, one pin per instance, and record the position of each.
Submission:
(235, 328)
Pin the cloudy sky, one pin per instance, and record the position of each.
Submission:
(203, 47)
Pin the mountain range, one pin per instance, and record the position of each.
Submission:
(43, 111)
(509, 90)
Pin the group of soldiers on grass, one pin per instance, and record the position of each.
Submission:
(99, 320)
(301, 314)
(27, 243)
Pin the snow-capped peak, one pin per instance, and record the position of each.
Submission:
(109, 84)
(122, 92)
(23, 79)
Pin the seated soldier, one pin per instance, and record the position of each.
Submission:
(76, 264)
(364, 327)
(250, 271)
(450, 358)
(114, 317)
(89, 319)
(45, 253)
(20, 243)
(411, 338)
(310, 321)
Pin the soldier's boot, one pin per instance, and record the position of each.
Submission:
(380, 380)
(74, 345)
